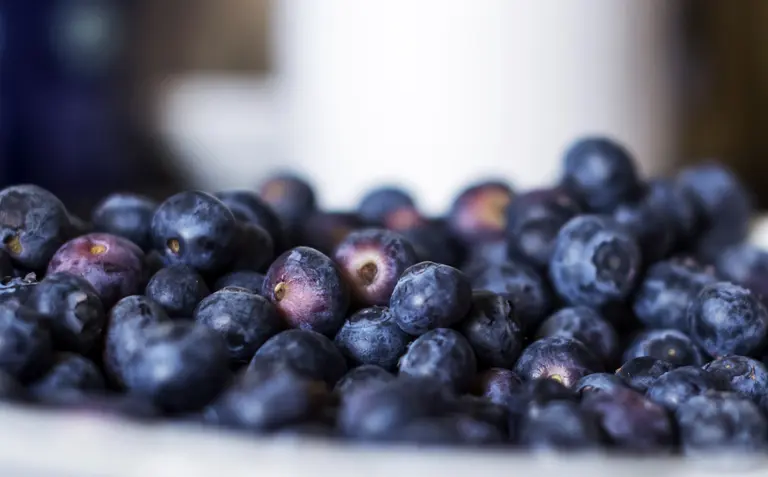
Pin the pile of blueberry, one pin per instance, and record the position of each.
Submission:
(607, 312)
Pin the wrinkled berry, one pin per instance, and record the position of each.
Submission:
(493, 330)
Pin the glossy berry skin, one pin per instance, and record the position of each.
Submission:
(376, 204)
(375, 414)
(327, 230)
(248, 207)
(70, 373)
(650, 226)
(679, 385)
(72, 309)
(126, 215)
(595, 262)
(743, 375)
(267, 398)
(529, 294)
(25, 343)
(747, 265)
(178, 289)
(498, 385)
(308, 291)
(307, 352)
(371, 261)
(493, 330)
(292, 198)
(363, 378)
(429, 295)
(253, 248)
(672, 346)
(371, 336)
(721, 422)
(180, 366)
(127, 322)
(33, 225)
(561, 359)
(244, 320)
(251, 281)
(196, 229)
(478, 214)
(600, 172)
(641, 373)
(598, 382)
(727, 319)
(662, 299)
(533, 221)
(560, 425)
(114, 266)
(586, 325)
(442, 354)
(631, 422)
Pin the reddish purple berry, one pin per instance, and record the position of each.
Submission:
(479, 213)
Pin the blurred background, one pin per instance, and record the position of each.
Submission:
(155, 96)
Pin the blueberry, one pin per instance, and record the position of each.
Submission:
(292, 199)
(721, 422)
(381, 411)
(641, 373)
(453, 430)
(559, 425)
(746, 265)
(376, 204)
(631, 422)
(123, 406)
(6, 265)
(267, 398)
(586, 325)
(539, 391)
(11, 389)
(429, 295)
(178, 289)
(254, 248)
(371, 261)
(679, 206)
(743, 375)
(371, 336)
(307, 289)
(672, 346)
(248, 207)
(668, 287)
(533, 221)
(307, 352)
(404, 218)
(478, 214)
(72, 309)
(598, 382)
(493, 330)
(728, 319)
(528, 292)
(243, 319)
(18, 288)
(600, 172)
(478, 409)
(442, 354)
(362, 379)
(114, 266)
(650, 226)
(25, 343)
(251, 281)
(33, 225)
(128, 320)
(561, 359)
(181, 366)
(498, 385)
(679, 385)
(327, 230)
(595, 262)
(432, 243)
(70, 372)
(126, 215)
(196, 229)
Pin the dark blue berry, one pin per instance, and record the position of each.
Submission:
(641, 373)
(746, 265)
(362, 379)
(6, 265)
(442, 354)
(561, 426)
(70, 372)
(25, 343)
(196, 229)
(376, 204)
(248, 207)
(743, 375)
(598, 382)
(493, 330)
(11, 389)
(479, 213)
(498, 385)
(126, 215)
(307, 352)
(453, 430)
(372, 336)
(672, 346)
(429, 295)
(560, 359)
(178, 289)
(253, 249)
(307, 289)
(326, 230)
(243, 319)
(679, 206)
(292, 199)
(728, 319)
(251, 281)
(432, 243)
(586, 325)
(650, 226)
(679, 385)
(595, 262)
